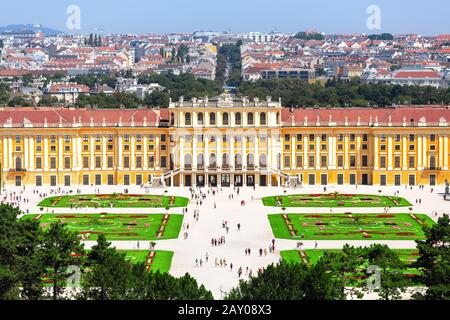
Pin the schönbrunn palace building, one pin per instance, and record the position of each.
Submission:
(225, 141)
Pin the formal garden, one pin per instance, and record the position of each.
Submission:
(349, 226)
(335, 199)
(115, 200)
(116, 226)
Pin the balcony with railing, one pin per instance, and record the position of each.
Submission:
(432, 168)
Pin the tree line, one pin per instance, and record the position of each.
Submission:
(293, 92)
(338, 93)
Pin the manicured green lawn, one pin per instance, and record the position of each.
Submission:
(114, 201)
(357, 226)
(115, 226)
(312, 256)
(334, 200)
(161, 261)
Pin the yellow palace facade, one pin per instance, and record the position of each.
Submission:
(225, 141)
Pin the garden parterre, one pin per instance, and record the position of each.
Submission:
(117, 226)
(115, 200)
(335, 199)
(349, 226)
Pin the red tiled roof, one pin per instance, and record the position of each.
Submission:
(67, 117)
(417, 74)
(432, 114)
(13, 72)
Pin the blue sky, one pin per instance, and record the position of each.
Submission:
(161, 16)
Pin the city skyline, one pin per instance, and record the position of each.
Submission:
(286, 16)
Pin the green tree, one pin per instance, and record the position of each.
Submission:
(29, 259)
(309, 36)
(109, 274)
(19, 102)
(157, 99)
(9, 278)
(392, 281)
(59, 245)
(21, 263)
(434, 259)
(4, 93)
(289, 281)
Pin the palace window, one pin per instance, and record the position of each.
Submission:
(382, 162)
(364, 161)
(98, 162)
(38, 163)
(225, 119)
(85, 162)
(352, 161)
(237, 119)
(52, 162)
(200, 118)
(397, 162)
(262, 119)
(340, 161)
(287, 161)
(110, 161)
(411, 162)
(299, 161)
(250, 118)
(187, 119)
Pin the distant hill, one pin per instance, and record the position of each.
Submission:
(34, 27)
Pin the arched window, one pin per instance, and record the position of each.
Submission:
(187, 119)
(225, 119)
(225, 160)
(262, 119)
(172, 119)
(188, 161)
(212, 160)
(238, 161)
(250, 160)
(237, 118)
(212, 119)
(432, 162)
(250, 118)
(19, 163)
(262, 160)
(278, 118)
(200, 160)
(200, 118)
